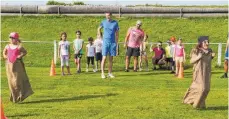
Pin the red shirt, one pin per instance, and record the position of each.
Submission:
(158, 52)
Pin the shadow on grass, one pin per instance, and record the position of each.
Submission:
(84, 97)
(217, 108)
(22, 115)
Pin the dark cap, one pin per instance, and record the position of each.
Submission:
(202, 38)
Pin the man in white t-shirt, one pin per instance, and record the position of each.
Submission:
(90, 50)
(98, 46)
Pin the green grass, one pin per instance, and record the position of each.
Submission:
(141, 95)
(48, 28)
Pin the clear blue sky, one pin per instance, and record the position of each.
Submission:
(121, 2)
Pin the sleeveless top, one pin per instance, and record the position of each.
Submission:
(12, 54)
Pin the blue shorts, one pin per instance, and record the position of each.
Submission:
(109, 48)
(226, 55)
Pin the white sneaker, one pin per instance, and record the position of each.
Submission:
(140, 69)
(111, 75)
(94, 70)
(86, 70)
(103, 76)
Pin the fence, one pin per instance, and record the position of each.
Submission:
(40, 54)
(92, 10)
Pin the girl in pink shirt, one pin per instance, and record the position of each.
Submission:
(18, 80)
(179, 56)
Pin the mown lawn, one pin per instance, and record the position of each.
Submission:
(48, 28)
(141, 95)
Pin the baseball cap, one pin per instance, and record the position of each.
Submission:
(139, 22)
(14, 35)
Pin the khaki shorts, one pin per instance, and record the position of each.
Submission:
(179, 59)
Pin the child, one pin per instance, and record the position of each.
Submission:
(201, 58)
(78, 49)
(226, 61)
(144, 54)
(169, 56)
(159, 55)
(90, 50)
(18, 80)
(64, 52)
(173, 44)
(179, 56)
(98, 46)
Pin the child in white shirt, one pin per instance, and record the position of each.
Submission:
(90, 51)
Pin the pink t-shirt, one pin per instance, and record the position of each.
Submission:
(179, 50)
(158, 52)
(12, 54)
(135, 38)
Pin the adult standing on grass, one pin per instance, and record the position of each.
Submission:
(133, 42)
(201, 57)
(18, 80)
(110, 42)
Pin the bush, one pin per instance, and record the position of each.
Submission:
(52, 2)
(78, 3)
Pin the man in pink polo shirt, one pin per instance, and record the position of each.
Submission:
(133, 41)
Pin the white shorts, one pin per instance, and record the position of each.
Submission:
(64, 59)
(179, 59)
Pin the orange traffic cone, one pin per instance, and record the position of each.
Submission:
(2, 112)
(52, 70)
(181, 73)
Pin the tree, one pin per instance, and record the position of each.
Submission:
(52, 2)
(78, 3)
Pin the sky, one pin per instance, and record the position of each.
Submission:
(121, 2)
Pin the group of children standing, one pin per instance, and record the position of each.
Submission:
(173, 55)
(93, 51)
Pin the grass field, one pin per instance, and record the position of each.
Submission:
(141, 95)
(48, 28)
